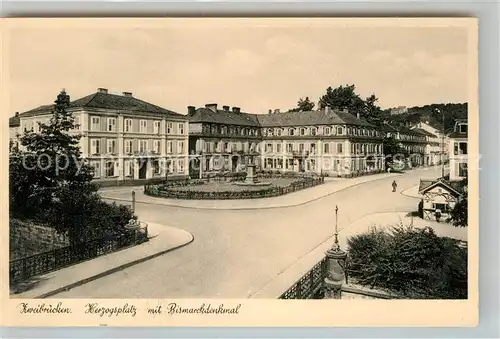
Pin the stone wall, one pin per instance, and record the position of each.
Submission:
(28, 238)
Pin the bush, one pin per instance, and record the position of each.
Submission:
(414, 263)
(85, 217)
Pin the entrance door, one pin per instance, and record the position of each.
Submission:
(143, 166)
(234, 163)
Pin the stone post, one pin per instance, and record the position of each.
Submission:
(133, 201)
(335, 271)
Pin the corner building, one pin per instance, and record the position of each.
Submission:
(126, 140)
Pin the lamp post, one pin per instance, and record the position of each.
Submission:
(442, 143)
(336, 260)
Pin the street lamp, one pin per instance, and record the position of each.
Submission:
(336, 263)
(442, 142)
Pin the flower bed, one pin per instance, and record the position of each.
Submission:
(240, 193)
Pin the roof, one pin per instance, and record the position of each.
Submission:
(423, 131)
(277, 119)
(388, 128)
(454, 186)
(104, 100)
(305, 118)
(224, 117)
(14, 121)
(406, 130)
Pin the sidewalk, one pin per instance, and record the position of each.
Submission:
(290, 276)
(163, 239)
(331, 185)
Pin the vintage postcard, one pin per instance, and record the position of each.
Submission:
(240, 172)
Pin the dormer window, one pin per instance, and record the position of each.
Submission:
(278, 132)
(327, 131)
(270, 132)
(462, 128)
(291, 132)
(302, 131)
(313, 131)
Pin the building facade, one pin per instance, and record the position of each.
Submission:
(326, 141)
(322, 142)
(438, 142)
(412, 141)
(14, 131)
(123, 138)
(439, 198)
(458, 151)
(222, 140)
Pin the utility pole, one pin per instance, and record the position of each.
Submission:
(442, 143)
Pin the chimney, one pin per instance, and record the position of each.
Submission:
(327, 109)
(236, 110)
(225, 108)
(212, 107)
(357, 115)
(277, 110)
(127, 94)
(191, 110)
(270, 111)
(102, 90)
(17, 114)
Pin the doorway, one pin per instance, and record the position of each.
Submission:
(234, 163)
(143, 167)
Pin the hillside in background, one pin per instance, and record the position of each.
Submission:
(451, 112)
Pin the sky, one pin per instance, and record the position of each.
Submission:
(247, 64)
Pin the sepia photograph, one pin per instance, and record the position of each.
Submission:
(239, 159)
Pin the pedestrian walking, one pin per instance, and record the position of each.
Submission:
(394, 186)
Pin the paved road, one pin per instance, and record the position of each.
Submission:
(235, 253)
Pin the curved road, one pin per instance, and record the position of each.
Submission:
(235, 253)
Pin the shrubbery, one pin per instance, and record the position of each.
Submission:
(51, 183)
(413, 263)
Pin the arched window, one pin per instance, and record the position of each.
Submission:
(291, 132)
(302, 131)
(313, 130)
(327, 130)
(270, 132)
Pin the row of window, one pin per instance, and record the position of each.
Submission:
(142, 146)
(358, 148)
(111, 125)
(231, 130)
(111, 168)
(325, 130)
(228, 147)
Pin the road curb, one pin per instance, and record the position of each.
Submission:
(110, 271)
(252, 208)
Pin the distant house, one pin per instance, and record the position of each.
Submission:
(399, 110)
(458, 151)
(439, 197)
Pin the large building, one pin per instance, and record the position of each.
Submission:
(323, 142)
(437, 141)
(222, 139)
(412, 141)
(458, 151)
(124, 138)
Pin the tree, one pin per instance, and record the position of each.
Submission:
(459, 214)
(50, 182)
(343, 97)
(391, 149)
(303, 105)
(51, 160)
